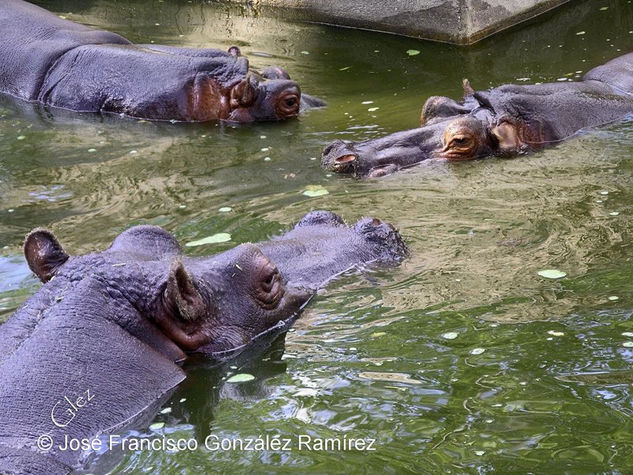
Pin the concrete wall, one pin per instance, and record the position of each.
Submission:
(454, 21)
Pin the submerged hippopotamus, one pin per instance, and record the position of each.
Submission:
(62, 64)
(504, 121)
(99, 342)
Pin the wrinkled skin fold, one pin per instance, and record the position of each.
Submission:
(66, 65)
(504, 121)
(114, 324)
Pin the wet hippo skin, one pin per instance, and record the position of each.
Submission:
(110, 327)
(503, 121)
(66, 65)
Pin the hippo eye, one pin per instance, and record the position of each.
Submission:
(269, 286)
(288, 105)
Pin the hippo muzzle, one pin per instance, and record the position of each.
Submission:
(382, 156)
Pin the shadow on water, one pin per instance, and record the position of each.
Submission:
(463, 358)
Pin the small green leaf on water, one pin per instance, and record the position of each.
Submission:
(614, 213)
(477, 351)
(157, 426)
(216, 238)
(628, 344)
(345, 68)
(378, 334)
(305, 52)
(604, 8)
(613, 298)
(629, 334)
(450, 335)
(373, 109)
(225, 209)
(315, 190)
(240, 378)
(552, 273)
(21, 137)
(183, 399)
(604, 192)
(92, 150)
(413, 52)
(555, 333)
(580, 33)
(167, 410)
(479, 452)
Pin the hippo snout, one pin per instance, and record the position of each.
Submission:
(384, 236)
(339, 157)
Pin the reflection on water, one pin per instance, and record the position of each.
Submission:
(461, 359)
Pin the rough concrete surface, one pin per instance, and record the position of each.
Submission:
(454, 21)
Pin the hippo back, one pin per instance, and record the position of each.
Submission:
(617, 73)
(32, 40)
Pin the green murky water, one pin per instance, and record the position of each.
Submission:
(461, 360)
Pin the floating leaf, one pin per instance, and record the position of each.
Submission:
(614, 213)
(613, 298)
(216, 238)
(477, 351)
(555, 333)
(367, 102)
(167, 410)
(373, 109)
(450, 335)
(345, 68)
(629, 334)
(394, 377)
(580, 33)
(157, 426)
(21, 137)
(225, 209)
(378, 334)
(315, 190)
(240, 378)
(305, 52)
(628, 344)
(413, 52)
(552, 273)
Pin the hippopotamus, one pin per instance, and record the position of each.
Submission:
(61, 64)
(101, 341)
(504, 121)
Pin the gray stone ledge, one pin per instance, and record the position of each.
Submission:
(453, 21)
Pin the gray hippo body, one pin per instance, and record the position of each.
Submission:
(66, 65)
(506, 120)
(99, 343)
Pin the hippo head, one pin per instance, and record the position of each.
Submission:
(174, 304)
(219, 303)
(256, 98)
(449, 130)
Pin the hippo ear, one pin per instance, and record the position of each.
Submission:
(243, 93)
(182, 295)
(468, 89)
(235, 51)
(507, 137)
(44, 254)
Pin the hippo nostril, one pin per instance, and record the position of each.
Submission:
(346, 158)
